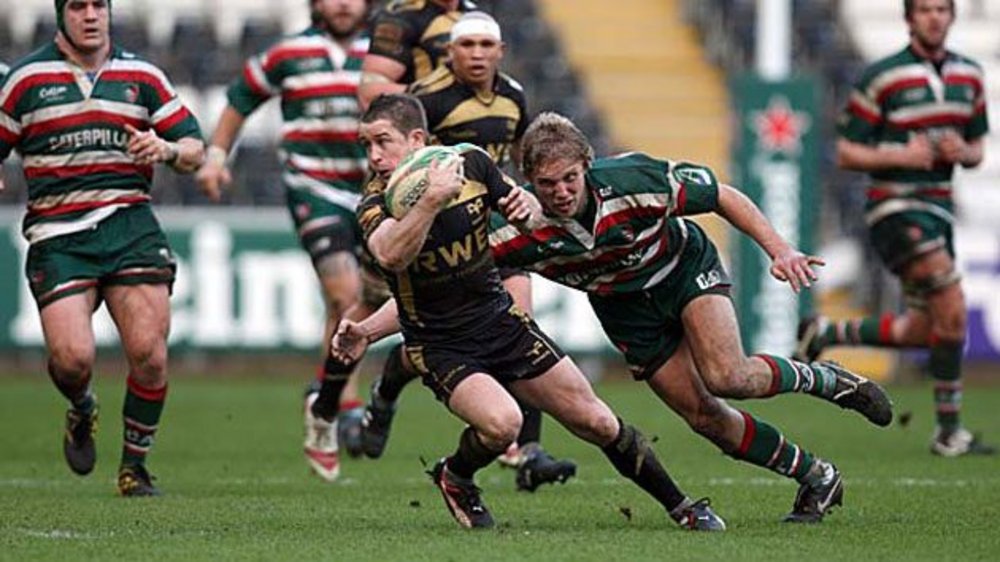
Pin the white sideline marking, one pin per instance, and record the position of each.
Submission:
(57, 534)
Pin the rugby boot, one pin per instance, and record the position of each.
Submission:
(814, 500)
(462, 497)
(320, 445)
(376, 423)
(854, 392)
(698, 516)
(540, 468)
(959, 442)
(349, 430)
(134, 481)
(78, 440)
(810, 339)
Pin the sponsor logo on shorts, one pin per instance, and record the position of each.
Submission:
(708, 279)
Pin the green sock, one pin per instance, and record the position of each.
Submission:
(765, 446)
(874, 331)
(946, 368)
(789, 375)
(141, 414)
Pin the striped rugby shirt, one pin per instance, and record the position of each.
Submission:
(904, 94)
(318, 84)
(70, 132)
(637, 238)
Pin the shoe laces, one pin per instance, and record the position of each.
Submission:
(82, 425)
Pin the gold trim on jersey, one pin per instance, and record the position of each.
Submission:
(440, 25)
(436, 81)
(474, 109)
(470, 190)
(406, 300)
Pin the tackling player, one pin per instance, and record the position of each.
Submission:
(613, 229)
(90, 121)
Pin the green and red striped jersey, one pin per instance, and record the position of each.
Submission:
(905, 94)
(317, 80)
(636, 240)
(69, 128)
(4, 69)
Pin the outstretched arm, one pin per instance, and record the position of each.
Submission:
(352, 338)
(787, 263)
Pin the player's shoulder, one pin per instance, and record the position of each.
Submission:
(398, 7)
(44, 58)
(439, 79)
(510, 87)
(124, 59)
(964, 62)
(374, 186)
(888, 63)
(625, 160)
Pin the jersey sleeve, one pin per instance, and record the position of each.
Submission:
(862, 116)
(694, 188)
(979, 124)
(170, 118)
(10, 128)
(392, 37)
(372, 211)
(480, 167)
(259, 81)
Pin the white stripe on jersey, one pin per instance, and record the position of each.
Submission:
(333, 124)
(258, 80)
(45, 230)
(147, 68)
(9, 124)
(893, 75)
(68, 109)
(47, 67)
(932, 109)
(87, 158)
(168, 110)
(866, 103)
(73, 197)
(340, 197)
(639, 200)
(313, 164)
(318, 79)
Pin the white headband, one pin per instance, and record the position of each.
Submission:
(475, 24)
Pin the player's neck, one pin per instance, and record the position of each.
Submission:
(930, 53)
(88, 61)
(450, 5)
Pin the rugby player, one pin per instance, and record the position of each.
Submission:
(614, 229)
(316, 72)
(90, 121)
(468, 99)
(911, 118)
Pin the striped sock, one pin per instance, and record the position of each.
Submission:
(789, 375)
(946, 369)
(141, 414)
(874, 331)
(765, 446)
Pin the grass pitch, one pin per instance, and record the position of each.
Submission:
(236, 487)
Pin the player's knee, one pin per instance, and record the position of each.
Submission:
(501, 427)
(726, 376)
(597, 424)
(73, 361)
(149, 361)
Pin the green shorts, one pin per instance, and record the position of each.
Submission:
(323, 227)
(127, 248)
(646, 325)
(901, 237)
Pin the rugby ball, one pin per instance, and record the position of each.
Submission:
(409, 180)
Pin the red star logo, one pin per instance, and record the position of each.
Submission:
(778, 128)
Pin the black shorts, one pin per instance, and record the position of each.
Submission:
(510, 349)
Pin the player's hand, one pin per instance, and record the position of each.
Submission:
(349, 342)
(951, 147)
(521, 207)
(796, 268)
(146, 148)
(918, 153)
(214, 175)
(445, 182)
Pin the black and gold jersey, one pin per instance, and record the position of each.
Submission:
(452, 288)
(415, 33)
(456, 113)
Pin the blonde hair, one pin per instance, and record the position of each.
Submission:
(552, 136)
